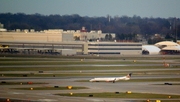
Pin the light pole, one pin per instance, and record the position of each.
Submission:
(176, 29)
(98, 47)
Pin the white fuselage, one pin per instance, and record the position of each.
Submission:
(109, 79)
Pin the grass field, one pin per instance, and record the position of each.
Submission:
(31, 64)
(61, 68)
(150, 97)
(51, 88)
(122, 95)
(19, 83)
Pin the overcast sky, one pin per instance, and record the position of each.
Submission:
(91, 8)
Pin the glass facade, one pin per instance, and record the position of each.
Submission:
(114, 48)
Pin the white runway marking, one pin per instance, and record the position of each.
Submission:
(47, 100)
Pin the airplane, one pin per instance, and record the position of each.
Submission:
(112, 79)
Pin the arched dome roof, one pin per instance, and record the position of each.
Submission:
(177, 48)
(166, 43)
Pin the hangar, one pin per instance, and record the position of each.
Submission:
(80, 47)
(168, 47)
(164, 47)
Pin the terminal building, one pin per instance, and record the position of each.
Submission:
(70, 42)
(73, 48)
(119, 48)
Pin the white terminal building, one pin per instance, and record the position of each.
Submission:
(119, 48)
(65, 42)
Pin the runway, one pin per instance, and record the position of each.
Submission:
(48, 95)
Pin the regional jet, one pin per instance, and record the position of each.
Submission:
(111, 79)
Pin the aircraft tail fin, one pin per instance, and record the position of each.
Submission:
(129, 75)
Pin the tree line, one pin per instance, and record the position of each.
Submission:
(124, 27)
